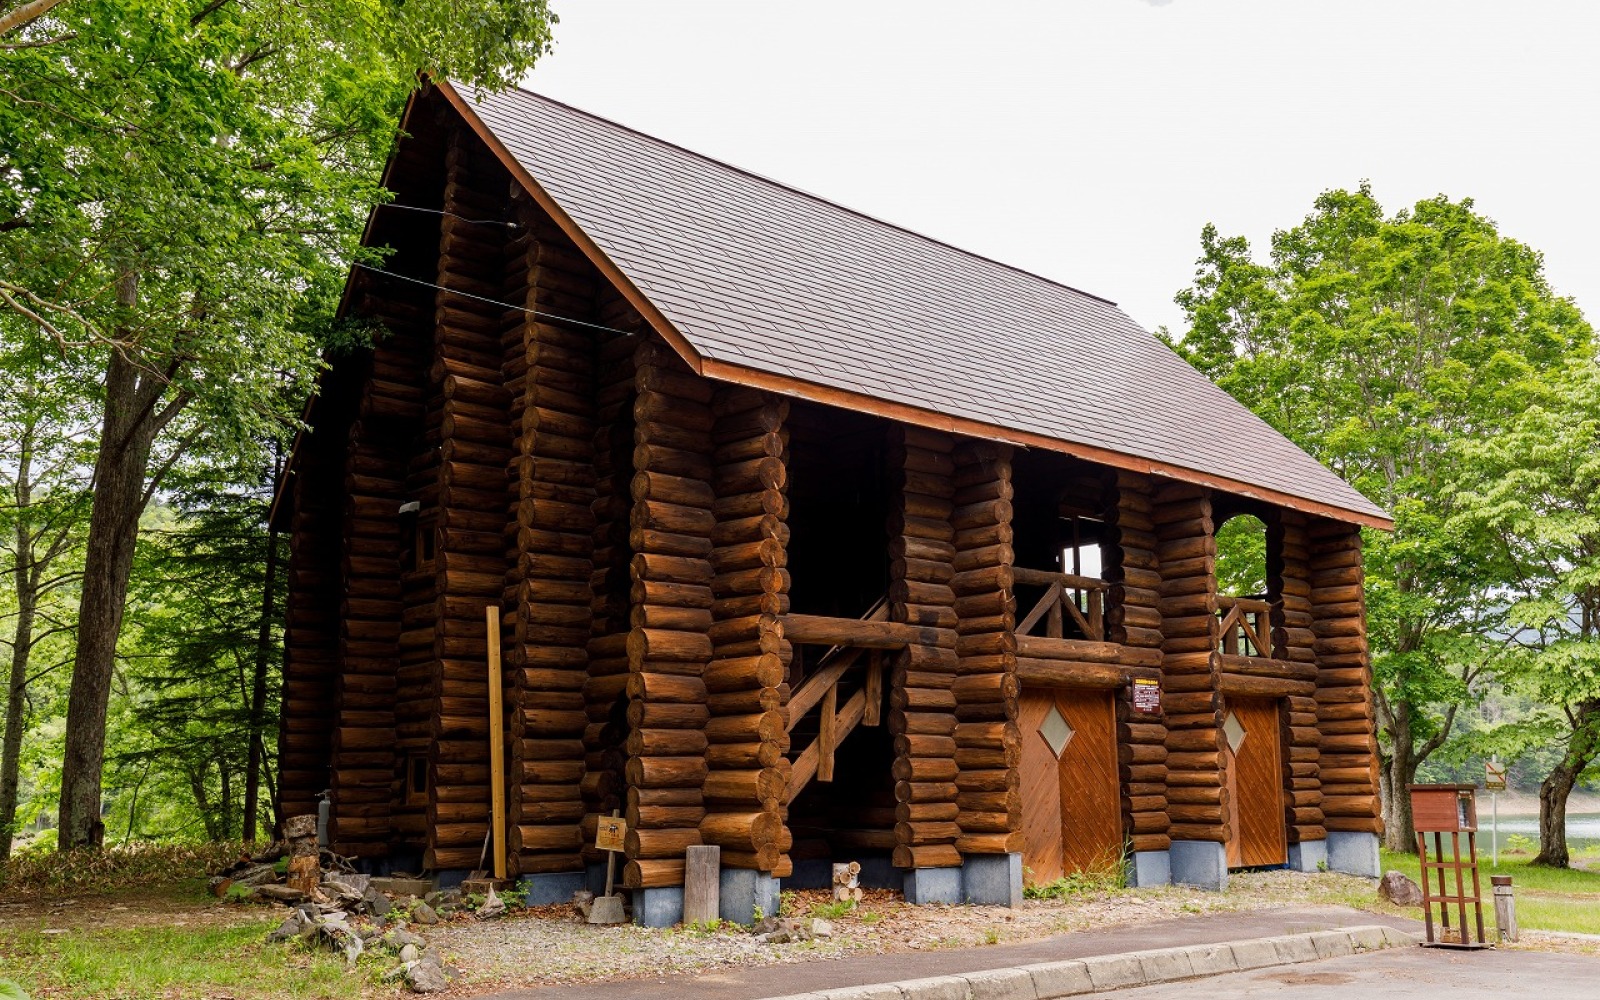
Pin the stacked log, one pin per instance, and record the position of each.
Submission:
(549, 371)
(668, 646)
(1348, 764)
(1133, 621)
(369, 646)
(474, 453)
(744, 715)
(922, 699)
(311, 632)
(1293, 638)
(605, 695)
(988, 745)
(1186, 549)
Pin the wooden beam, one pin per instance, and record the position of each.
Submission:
(827, 740)
(497, 743)
(824, 631)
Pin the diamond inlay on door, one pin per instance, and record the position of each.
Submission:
(1234, 731)
(1055, 731)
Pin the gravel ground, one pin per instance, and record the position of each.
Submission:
(547, 946)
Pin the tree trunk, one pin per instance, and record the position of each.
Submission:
(1399, 771)
(26, 581)
(16, 700)
(1557, 786)
(127, 433)
(258, 692)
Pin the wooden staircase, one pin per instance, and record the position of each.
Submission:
(821, 689)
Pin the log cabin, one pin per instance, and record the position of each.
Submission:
(795, 533)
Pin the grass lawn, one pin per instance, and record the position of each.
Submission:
(1548, 899)
(169, 962)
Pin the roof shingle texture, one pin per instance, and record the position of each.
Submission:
(760, 275)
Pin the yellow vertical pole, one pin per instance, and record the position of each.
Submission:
(497, 745)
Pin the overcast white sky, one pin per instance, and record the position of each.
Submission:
(1089, 140)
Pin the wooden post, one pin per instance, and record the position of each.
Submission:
(497, 745)
(702, 884)
(826, 740)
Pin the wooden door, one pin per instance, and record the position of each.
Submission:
(1071, 796)
(1255, 783)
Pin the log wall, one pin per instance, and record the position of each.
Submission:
(922, 702)
(1348, 742)
(987, 742)
(605, 696)
(474, 452)
(668, 646)
(549, 540)
(1187, 551)
(744, 717)
(1133, 621)
(1289, 584)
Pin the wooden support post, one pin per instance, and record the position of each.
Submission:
(826, 743)
(702, 884)
(874, 689)
(497, 744)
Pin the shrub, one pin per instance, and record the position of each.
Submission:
(127, 866)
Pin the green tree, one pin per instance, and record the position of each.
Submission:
(1375, 342)
(1531, 494)
(182, 186)
(43, 507)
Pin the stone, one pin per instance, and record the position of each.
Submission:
(1294, 948)
(422, 913)
(1332, 944)
(1308, 856)
(1165, 964)
(550, 888)
(1060, 979)
(425, 976)
(1354, 853)
(275, 893)
(358, 884)
(410, 953)
(443, 897)
(1399, 890)
(256, 875)
(933, 885)
(377, 903)
(1200, 863)
(399, 886)
(821, 928)
(1211, 959)
(658, 907)
(936, 988)
(1369, 938)
(992, 879)
(741, 892)
(293, 926)
(1257, 954)
(1149, 868)
(1001, 984)
(1113, 972)
(399, 938)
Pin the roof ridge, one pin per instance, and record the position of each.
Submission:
(763, 178)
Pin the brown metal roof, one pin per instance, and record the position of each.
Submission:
(760, 283)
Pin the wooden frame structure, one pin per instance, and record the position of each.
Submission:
(766, 620)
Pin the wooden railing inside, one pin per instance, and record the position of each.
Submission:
(1082, 598)
(1246, 626)
(855, 642)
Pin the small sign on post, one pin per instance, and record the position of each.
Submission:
(1494, 782)
(1494, 776)
(612, 837)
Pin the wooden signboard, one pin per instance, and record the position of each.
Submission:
(1437, 811)
(1146, 696)
(612, 834)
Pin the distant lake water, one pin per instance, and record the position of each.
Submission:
(1580, 826)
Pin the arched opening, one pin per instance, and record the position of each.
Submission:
(1242, 557)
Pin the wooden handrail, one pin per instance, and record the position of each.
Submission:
(1244, 619)
(1060, 599)
(850, 639)
(1046, 577)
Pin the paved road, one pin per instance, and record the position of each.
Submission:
(774, 980)
(1401, 974)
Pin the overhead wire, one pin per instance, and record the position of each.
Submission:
(536, 313)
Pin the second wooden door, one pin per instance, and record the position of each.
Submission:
(1071, 796)
(1255, 783)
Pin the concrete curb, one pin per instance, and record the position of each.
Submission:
(1139, 968)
